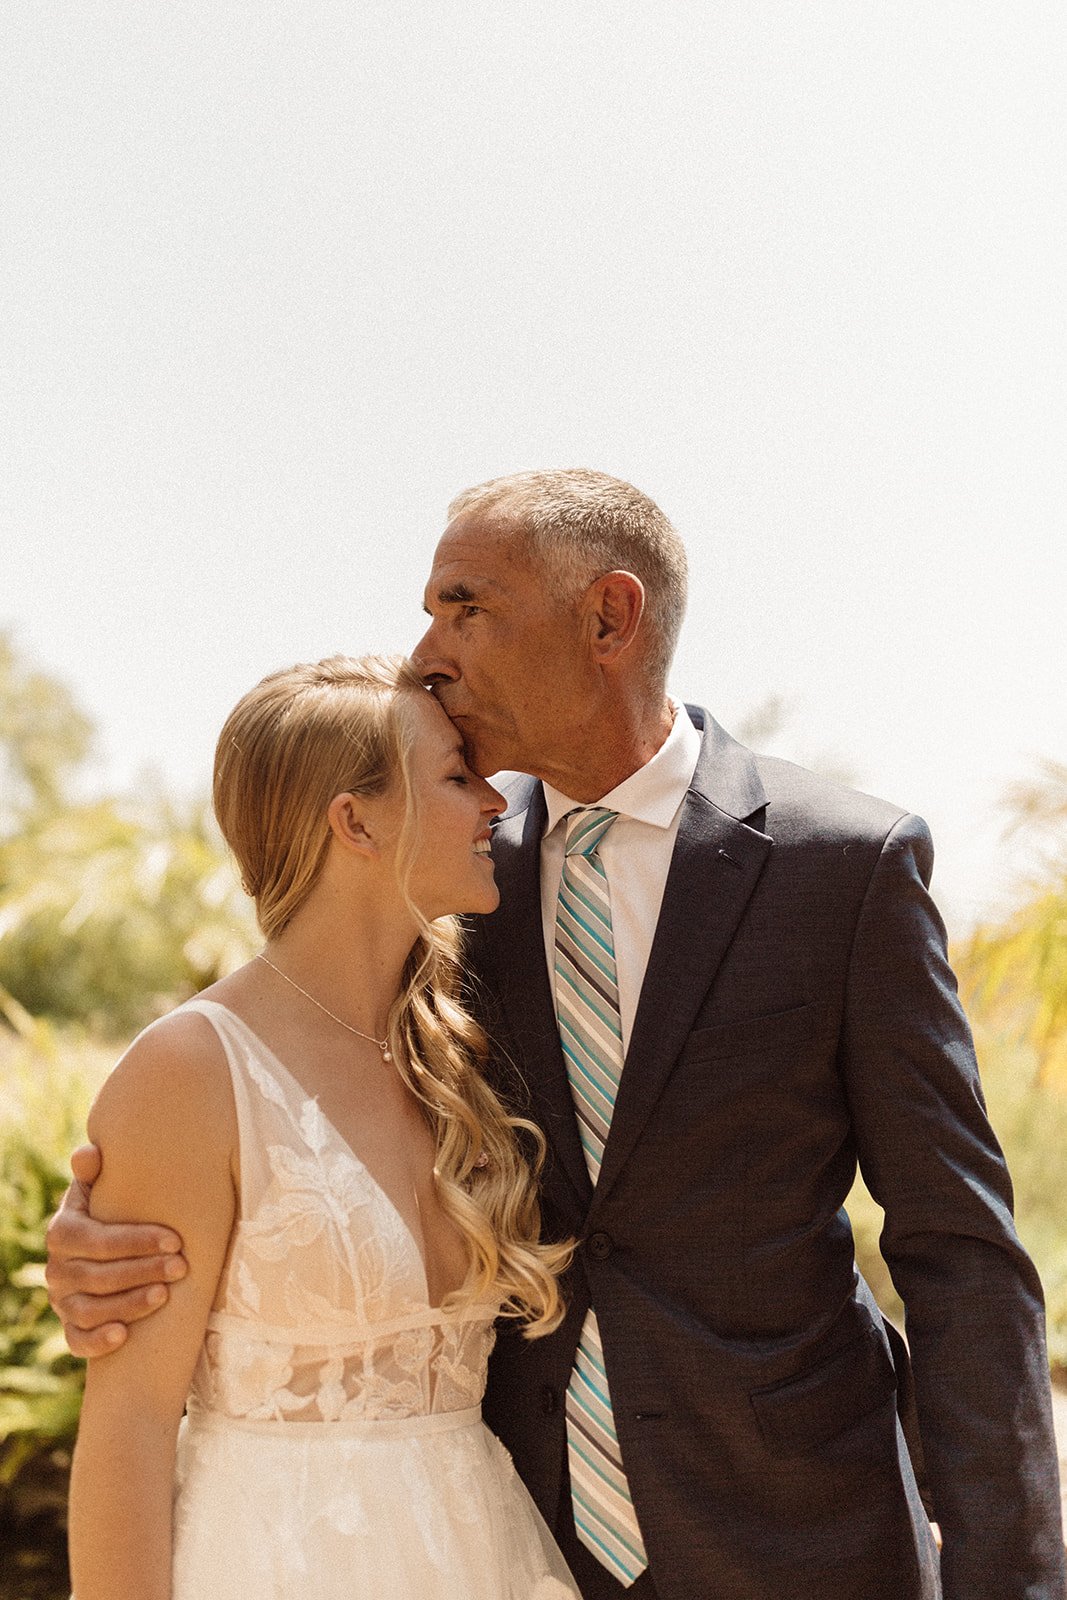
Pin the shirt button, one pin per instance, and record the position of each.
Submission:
(549, 1401)
(600, 1246)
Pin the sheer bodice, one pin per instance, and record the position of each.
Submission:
(333, 1447)
(323, 1312)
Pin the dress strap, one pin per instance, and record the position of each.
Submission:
(265, 1112)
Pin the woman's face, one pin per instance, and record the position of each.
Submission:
(452, 870)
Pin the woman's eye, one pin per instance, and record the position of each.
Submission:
(460, 777)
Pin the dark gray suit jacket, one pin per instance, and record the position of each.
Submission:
(798, 1013)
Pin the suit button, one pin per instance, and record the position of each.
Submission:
(600, 1246)
(549, 1401)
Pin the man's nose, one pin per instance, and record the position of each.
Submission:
(431, 661)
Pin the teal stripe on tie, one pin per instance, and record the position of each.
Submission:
(598, 1008)
(603, 945)
(585, 1030)
(587, 1009)
(589, 1091)
(604, 1533)
(577, 903)
(601, 1395)
(610, 1471)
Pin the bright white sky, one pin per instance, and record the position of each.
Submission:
(281, 278)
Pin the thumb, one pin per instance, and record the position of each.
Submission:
(85, 1165)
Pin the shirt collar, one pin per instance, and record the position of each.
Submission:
(655, 791)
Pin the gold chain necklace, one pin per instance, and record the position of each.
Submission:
(383, 1044)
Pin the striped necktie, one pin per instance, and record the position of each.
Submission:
(587, 1007)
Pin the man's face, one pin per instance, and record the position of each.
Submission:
(504, 654)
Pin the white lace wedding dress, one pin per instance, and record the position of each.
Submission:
(333, 1447)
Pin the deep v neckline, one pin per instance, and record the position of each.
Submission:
(339, 1139)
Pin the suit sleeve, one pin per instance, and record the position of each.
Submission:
(973, 1302)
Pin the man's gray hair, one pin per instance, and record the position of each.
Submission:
(578, 525)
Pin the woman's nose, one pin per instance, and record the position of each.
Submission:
(494, 803)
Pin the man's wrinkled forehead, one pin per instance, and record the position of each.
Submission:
(457, 584)
(475, 558)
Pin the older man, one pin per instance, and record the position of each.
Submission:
(721, 981)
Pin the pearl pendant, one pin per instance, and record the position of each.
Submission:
(387, 1055)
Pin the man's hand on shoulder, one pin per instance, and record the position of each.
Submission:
(104, 1275)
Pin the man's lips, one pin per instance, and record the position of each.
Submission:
(453, 712)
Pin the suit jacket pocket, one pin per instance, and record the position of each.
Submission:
(776, 1030)
(803, 1412)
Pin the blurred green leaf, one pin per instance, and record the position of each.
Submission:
(44, 736)
(1016, 971)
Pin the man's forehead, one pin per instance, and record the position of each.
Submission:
(473, 558)
(458, 581)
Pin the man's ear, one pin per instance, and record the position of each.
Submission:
(351, 825)
(616, 603)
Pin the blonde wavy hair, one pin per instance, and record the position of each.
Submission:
(345, 726)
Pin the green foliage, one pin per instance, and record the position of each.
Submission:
(1030, 1120)
(1030, 1117)
(1016, 970)
(43, 737)
(113, 912)
(46, 1089)
(39, 1386)
(43, 1108)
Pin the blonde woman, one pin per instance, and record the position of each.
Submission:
(355, 1206)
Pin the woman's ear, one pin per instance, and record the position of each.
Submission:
(351, 825)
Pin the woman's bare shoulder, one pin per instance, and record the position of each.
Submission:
(174, 1073)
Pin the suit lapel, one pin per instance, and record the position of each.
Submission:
(718, 857)
(516, 938)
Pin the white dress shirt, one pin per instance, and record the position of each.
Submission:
(636, 855)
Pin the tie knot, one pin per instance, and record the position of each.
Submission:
(586, 828)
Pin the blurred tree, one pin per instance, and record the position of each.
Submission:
(46, 1084)
(114, 911)
(765, 727)
(44, 737)
(111, 911)
(762, 724)
(1018, 968)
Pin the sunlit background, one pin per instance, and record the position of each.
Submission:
(281, 279)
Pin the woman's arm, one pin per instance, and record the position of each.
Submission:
(103, 1276)
(166, 1126)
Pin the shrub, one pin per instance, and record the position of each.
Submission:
(44, 1101)
(112, 912)
(1030, 1120)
